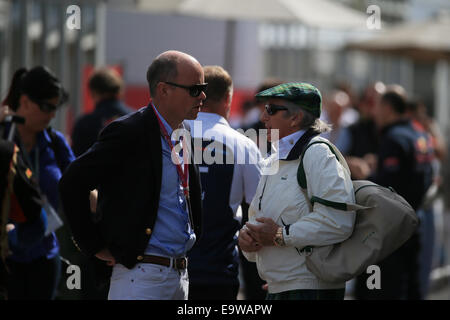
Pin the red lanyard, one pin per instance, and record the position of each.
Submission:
(184, 175)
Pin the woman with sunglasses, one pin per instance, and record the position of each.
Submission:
(35, 95)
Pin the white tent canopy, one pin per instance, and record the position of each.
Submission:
(313, 13)
(426, 39)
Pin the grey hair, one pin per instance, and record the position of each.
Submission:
(309, 120)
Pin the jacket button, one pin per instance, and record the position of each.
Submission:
(140, 258)
(148, 231)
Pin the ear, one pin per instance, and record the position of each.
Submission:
(228, 98)
(296, 119)
(162, 89)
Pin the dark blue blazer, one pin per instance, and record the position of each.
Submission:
(125, 165)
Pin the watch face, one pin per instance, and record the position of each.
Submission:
(279, 240)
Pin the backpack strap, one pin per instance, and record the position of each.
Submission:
(301, 178)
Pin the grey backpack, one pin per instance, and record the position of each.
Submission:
(384, 222)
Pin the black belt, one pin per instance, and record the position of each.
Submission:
(179, 264)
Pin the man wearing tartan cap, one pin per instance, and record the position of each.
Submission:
(280, 216)
(302, 94)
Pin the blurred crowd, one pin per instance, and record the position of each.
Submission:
(359, 125)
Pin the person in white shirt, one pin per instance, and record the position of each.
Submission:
(230, 172)
(280, 223)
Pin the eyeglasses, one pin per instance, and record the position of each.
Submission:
(194, 90)
(273, 108)
(46, 107)
(49, 107)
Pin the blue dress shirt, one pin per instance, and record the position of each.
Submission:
(172, 235)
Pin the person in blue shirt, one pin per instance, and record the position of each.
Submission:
(149, 198)
(35, 95)
(227, 181)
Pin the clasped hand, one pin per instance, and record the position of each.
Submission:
(254, 236)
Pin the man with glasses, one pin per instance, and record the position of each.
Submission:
(281, 223)
(150, 205)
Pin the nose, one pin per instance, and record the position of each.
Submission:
(202, 95)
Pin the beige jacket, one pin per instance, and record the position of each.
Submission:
(279, 197)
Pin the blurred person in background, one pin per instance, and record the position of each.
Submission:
(350, 115)
(403, 163)
(35, 95)
(421, 122)
(105, 87)
(214, 260)
(363, 148)
(335, 104)
(417, 111)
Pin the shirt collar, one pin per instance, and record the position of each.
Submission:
(286, 144)
(212, 117)
(165, 123)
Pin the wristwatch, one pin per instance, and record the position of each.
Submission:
(279, 240)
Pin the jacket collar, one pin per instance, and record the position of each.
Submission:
(154, 134)
(297, 150)
(399, 122)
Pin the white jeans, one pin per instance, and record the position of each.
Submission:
(148, 281)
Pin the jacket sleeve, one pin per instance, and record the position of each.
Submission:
(65, 153)
(83, 175)
(251, 172)
(327, 179)
(250, 256)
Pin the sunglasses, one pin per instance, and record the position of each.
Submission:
(46, 106)
(49, 107)
(273, 108)
(194, 90)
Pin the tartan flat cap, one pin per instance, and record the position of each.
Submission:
(302, 94)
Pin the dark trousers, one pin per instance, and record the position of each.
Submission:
(305, 294)
(213, 292)
(399, 276)
(36, 280)
(95, 274)
(252, 282)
